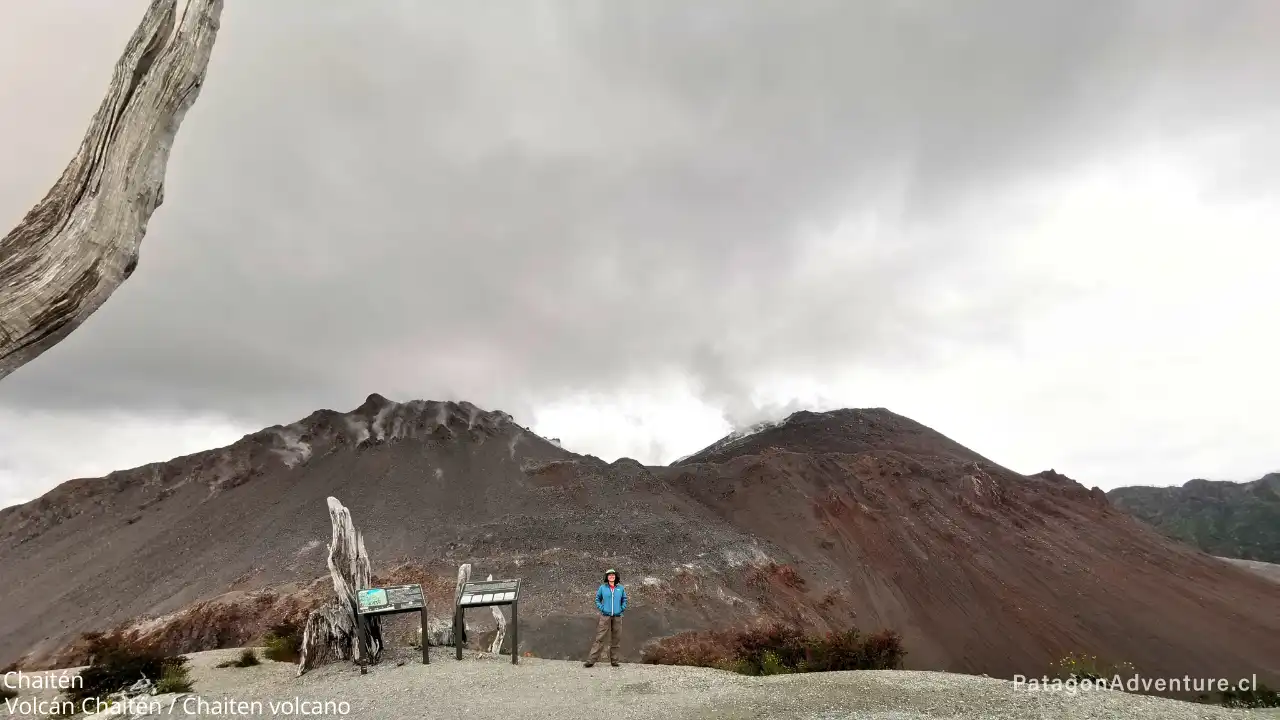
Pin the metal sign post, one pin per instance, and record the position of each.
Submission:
(389, 601)
(485, 594)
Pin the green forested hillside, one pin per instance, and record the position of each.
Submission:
(1239, 520)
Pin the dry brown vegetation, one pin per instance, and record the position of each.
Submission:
(779, 649)
(236, 619)
(765, 576)
(115, 662)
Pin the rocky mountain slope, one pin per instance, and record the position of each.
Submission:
(1237, 520)
(850, 516)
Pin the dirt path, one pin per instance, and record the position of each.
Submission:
(488, 688)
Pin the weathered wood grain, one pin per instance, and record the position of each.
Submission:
(464, 577)
(331, 631)
(80, 243)
(496, 646)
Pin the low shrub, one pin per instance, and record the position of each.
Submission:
(248, 658)
(698, 649)
(284, 643)
(7, 693)
(883, 651)
(772, 664)
(779, 649)
(849, 650)
(1262, 697)
(176, 678)
(116, 663)
(1083, 668)
(768, 650)
(1088, 668)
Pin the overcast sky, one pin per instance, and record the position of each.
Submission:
(1047, 230)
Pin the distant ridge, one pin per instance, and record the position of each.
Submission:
(1236, 520)
(847, 431)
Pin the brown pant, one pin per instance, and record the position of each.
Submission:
(609, 625)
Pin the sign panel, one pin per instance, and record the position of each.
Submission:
(387, 601)
(398, 598)
(489, 592)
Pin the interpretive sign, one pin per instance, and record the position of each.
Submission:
(388, 601)
(487, 593)
(374, 601)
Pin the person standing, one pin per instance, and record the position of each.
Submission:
(611, 601)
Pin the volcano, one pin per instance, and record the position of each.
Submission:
(832, 519)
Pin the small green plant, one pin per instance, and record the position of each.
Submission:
(771, 664)
(1088, 668)
(1262, 697)
(284, 643)
(248, 658)
(780, 646)
(175, 678)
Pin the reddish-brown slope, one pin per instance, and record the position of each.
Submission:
(982, 569)
(828, 518)
(429, 484)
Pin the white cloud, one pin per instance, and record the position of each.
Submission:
(1150, 360)
(39, 450)
(653, 425)
(1057, 242)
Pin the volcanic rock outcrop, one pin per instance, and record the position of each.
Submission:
(828, 519)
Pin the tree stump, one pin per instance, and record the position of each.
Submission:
(464, 576)
(81, 242)
(496, 647)
(332, 631)
(439, 633)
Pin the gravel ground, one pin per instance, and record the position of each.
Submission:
(488, 688)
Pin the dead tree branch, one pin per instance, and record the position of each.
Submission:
(80, 243)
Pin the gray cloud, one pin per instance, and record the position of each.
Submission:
(434, 199)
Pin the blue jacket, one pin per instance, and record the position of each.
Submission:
(611, 601)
